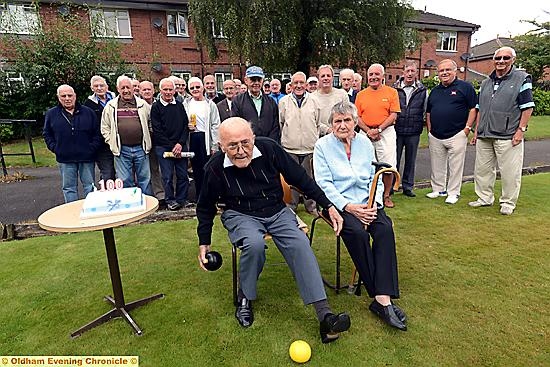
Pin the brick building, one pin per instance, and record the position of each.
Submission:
(156, 38)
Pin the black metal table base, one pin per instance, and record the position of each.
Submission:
(118, 312)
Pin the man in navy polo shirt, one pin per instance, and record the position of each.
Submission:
(450, 115)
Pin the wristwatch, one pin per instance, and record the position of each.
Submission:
(379, 130)
(523, 128)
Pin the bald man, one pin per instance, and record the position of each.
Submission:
(245, 175)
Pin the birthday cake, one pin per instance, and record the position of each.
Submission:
(113, 202)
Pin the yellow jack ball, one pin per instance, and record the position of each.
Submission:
(300, 351)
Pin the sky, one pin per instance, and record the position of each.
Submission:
(494, 17)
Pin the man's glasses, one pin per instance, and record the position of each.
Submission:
(500, 58)
(244, 144)
(195, 87)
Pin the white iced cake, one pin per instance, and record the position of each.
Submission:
(114, 202)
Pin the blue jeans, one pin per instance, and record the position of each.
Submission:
(134, 158)
(167, 168)
(69, 179)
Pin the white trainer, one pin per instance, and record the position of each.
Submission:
(452, 199)
(435, 194)
(506, 210)
(478, 203)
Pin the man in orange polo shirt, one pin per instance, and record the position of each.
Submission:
(378, 106)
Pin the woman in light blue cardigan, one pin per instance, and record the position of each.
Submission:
(343, 168)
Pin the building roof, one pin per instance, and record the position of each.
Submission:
(475, 75)
(134, 4)
(486, 50)
(425, 20)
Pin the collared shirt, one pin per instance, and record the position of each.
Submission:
(257, 101)
(108, 97)
(408, 89)
(164, 103)
(227, 162)
(299, 100)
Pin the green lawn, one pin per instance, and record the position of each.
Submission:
(474, 283)
(539, 128)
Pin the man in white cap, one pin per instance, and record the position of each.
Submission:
(311, 84)
(257, 108)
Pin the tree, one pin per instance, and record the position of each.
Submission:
(60, 52)
(533, 49)
(295, 34)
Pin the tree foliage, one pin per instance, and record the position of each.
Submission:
(533, 49)
(294, 34)
(60, 52)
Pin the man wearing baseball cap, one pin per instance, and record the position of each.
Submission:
(257, 108)
(311, 84)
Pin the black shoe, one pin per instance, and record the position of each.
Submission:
(162, 204)
(409, 193)
(332, 325)
(244, 313)
(174, 206)
(399, 313)
(388, 315)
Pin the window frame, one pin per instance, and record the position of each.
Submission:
(14, 25)
(99, 15)
(450, 36)
(220, 77)
(177, 15)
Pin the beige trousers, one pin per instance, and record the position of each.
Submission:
(489, 153)
(447, 155)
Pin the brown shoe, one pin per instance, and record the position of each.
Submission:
(388, 203)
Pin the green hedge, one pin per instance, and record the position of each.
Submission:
(542, 102)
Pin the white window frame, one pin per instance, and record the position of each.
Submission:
(178, 16)
(222, 77)
(449, 37)
(185, 75)
(19, 18)
(218, 34)
(99, 27)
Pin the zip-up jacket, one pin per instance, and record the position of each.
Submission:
(410, 121)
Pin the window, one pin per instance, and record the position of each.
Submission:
(220, 78)
(177, 24)
(185, 75)
(446, 41)
(280, 76)
(18, 18)
(336, 80)
(110, 23)
(217, 30)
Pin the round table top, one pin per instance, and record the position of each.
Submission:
(66, 217)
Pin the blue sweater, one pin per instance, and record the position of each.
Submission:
(345, 181)
(76, 141)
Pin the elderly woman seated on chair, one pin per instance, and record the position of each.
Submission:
(245, 175)
(343, 168)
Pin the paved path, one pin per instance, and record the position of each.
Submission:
(25, 201)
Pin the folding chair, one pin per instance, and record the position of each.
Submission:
(234, 266)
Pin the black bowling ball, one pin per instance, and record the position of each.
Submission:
(214, 260)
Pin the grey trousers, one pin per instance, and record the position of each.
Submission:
(247, 233)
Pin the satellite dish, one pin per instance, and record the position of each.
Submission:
(157, 23)
(157, 67)
(430, 63)
(63, 10)
(465, 56)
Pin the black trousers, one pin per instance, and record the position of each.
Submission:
(410, 143)
(377, 265)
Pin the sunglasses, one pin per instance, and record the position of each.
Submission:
(500, 58)
(193, 88)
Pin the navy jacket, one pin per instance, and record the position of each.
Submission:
(410, 121)
(267, 124)
(75, 142)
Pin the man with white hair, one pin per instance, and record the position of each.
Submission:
(204, 121)
(71, 132)
(357, 80)
(505, 106)
(170, 132)
(346, 81)
(275, 88)
(300, 127)
(97, 101)
(378, 106)
(125, 127)
(224, 106)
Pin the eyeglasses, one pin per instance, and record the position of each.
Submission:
(500, 58)
(244, 144)
(195, 87)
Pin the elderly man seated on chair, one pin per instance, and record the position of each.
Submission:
(343, 169)
(245, 176)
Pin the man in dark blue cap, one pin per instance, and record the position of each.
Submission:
(257, 108)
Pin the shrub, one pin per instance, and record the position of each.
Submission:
(542, 102)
